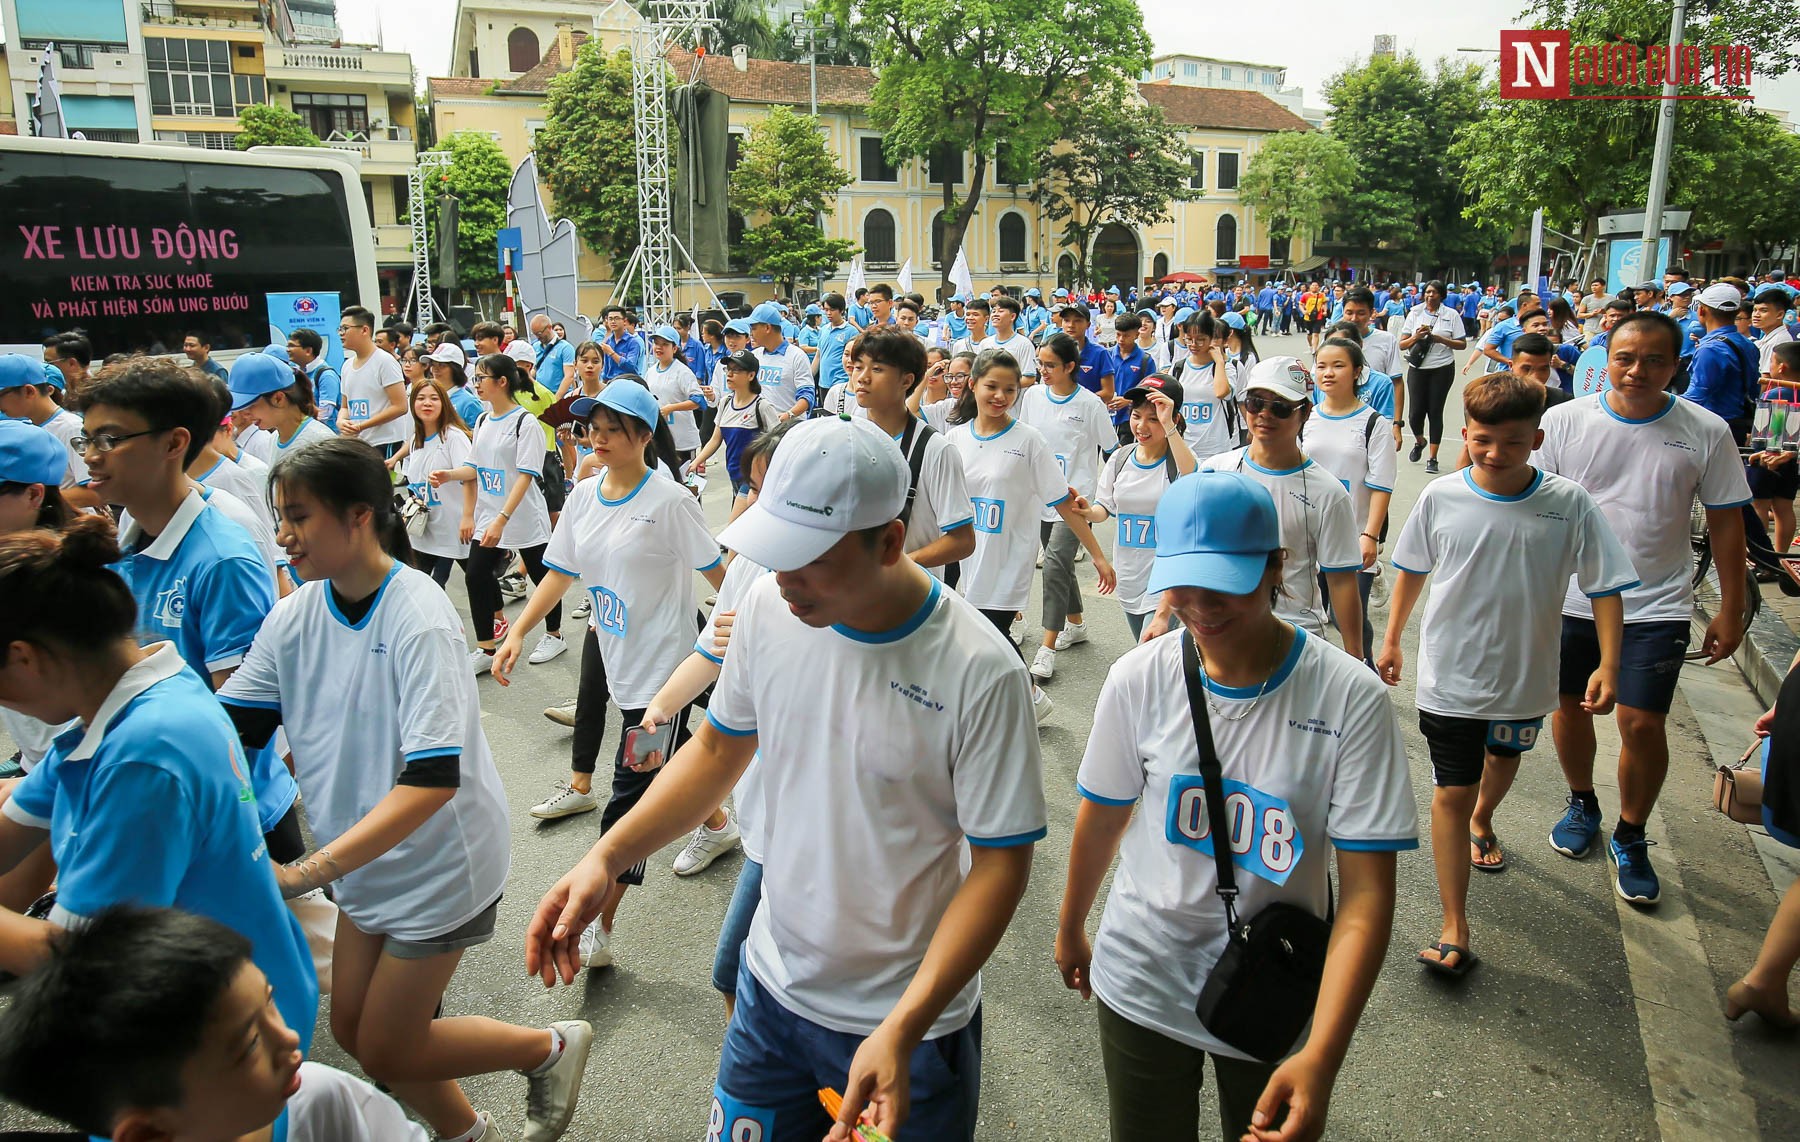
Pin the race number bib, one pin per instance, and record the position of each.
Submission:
(990, 515)
(1516, 736)
(359, 408)
(609, 611)
(1197, 412)
(1263, 835)
(493, 481)
(1137, 531)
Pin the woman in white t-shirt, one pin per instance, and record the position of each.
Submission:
(676, 389)
(1356, 444)
(364, 667)
(1105, 333)
(1311, 762)
(1012, 477)
(510, 512)
(440, 441)
(1208, 405)
(634, 539)
(289, 416)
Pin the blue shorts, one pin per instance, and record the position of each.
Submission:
(774, 1063)
(1650, 661)
(745, 899)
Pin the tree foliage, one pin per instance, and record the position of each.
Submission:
(1119, 161)
(587, 154)
(478, 176)
(1398, 123)
(963, 76)
(784, 177)
(271, 125)
(1297, 181)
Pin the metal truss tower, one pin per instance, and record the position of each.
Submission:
(667, 24)
(419, 201)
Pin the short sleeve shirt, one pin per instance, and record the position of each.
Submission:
(507, 447)
(1318, 528)
(365, 394)
(1012, 477)
(1078, 429)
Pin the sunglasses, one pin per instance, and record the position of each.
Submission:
(1279, 409)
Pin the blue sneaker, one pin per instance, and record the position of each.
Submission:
(1633, 878)
(1575, 834)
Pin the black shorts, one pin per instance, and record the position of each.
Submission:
(1649, 661)
(1782, 483)
(1459, 746)
(554, 492)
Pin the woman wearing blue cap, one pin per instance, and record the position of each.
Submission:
(1309, 761)
(26, 393)
(279, 399)
(32, 466)
(676, 389)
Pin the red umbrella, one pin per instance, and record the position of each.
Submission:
(1183, 276)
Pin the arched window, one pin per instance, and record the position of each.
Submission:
(1225, 240)
(1159, 267)
(878, 237)
(734, 240)
(937, 238)
(1012, 238)
(1065, 270)
(522, 50)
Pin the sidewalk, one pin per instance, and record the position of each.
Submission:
(1770, 643)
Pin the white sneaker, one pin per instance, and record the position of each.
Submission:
(565, 802)
(1378, 590)
(514, 586)
(1040, 561)
(481, 662)
(595, 948)
(1070, 635)
(707, 846)
(1041, 705)
(582, 609)
(1080, 554)
(562, 714)
(547, 647)
(1043, 667)
(550, 1097)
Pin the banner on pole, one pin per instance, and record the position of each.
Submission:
(318, 312)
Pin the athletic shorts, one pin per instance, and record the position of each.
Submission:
(1649, 661)
(478, 930)
(1459, 746)
(1781, 484)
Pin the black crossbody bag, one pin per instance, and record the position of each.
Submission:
(1260, 995)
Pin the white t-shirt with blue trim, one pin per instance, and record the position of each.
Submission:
(505, 448)
(1360, 457)
(1012, 476)
(740, 573)
(66, 426)
(907, 746)
(310, 432)
(359, 703)
(1079, 431)
(1492, 633)
(1316, 763)
(443, 520)
(1130, 490)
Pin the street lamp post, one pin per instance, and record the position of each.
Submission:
(812, 37)
(1665, 142)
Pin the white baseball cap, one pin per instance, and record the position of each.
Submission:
(448, 353)
(1286, 377)
(522, 353)
(1721, 296)
(830, 477)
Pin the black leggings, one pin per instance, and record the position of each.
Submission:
(438, 566)
(1426, 392)
(1003, 621)
(484, 588)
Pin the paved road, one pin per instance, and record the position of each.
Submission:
(1586, 1019)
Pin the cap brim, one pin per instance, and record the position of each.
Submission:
(1226, 574)
(778, 544)
(241, 401)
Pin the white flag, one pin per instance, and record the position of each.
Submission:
(906, 277)
(959, 274)
(857, 281)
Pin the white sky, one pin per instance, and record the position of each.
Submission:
(1336, 33)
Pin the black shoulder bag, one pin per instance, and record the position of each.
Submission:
(1260, 995)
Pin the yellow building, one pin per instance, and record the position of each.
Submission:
(894, 213)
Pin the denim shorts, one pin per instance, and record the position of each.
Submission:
(1650, 661)
(745, 899)
(468, 934)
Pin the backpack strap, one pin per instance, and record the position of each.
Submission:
(1169, 469)
(913, 444)
(1369, 428)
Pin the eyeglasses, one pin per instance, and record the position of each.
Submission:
(104, 442)
(1279, 409)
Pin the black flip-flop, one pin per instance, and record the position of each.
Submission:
(1465, 961)
(1487, 845)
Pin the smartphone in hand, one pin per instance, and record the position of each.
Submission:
(641, 743)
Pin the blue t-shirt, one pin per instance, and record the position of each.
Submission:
(630, 349)
(1723, 376)
(1128, 370)
(328, 392)
(1501, 338)
(1376, 389)
(1034, 318)
(1471, 304)
(553, 361)
(1095, 365)
(467, 405)
(831, 354)
(150, 807)
(1692, 330)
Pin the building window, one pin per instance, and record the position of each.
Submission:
(1190, 71)
(1012, 238)
(1269, 78)
(1225, 74)
(207, 140)
(945, 165)
(532, 127)
(1228, 170)
(1159, 267)
(522, 50)
(875, 167)
(937, 238)
(1225, 240)
(878, 237)
(1197, 180)
(734, 151)
(1011, 165)
(193, 77)
(1164, 70)
(104, 135)
(73, 55)
(345, 116)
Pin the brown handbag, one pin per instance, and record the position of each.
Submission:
(1738, 792)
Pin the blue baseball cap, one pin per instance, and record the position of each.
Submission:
(665, 333)
(279, 352)
(29, 454)
(1682, 289)
(1033, 292)
(1235, 320)
(627, 398)
(738, 325)
(1777, 291)
(813, 310)
(1059, 292)
(1184, 313)
(17, 370)
(1112, 291)
(768, 313)
(1214, 530)
(256, 375)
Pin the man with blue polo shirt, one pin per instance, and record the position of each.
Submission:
(1471, 309)
(1723, 376)
(952, 326)
(555, 365)
(1496, 346)
(620, 351)
(836, 333)
(1094, 372)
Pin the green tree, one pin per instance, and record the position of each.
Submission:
(1297, 180)
(1119, 162)
(478, 176)
(962, 77)
(784, 178)
(587, 154)
(271, 125)
(1398, 124)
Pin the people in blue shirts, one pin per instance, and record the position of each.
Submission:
(554, 367)
(1035, 318)
(623, 352)
(147, 800)
(1095, 370)
(1723, 376)
(834, 335)
(306, 350)
(860, 314)
(1130, 365)
(1471, 309)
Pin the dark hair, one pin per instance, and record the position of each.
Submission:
(917, 299)
(762, 446)
(57, 589)
(438, 329)
(660, 448)
(1501, 398)
(1560, 313)
(447, 419)
(1201, 324)
(882, 290)
(594, 345)
(75, 345)
(710, 330)
(357, 315)
(1064, 346)
(500, 366)
(1346, 330)
(1678, 272)
(485, 329)
(1788, 353)
(54, 513)
(200, 335)
(1436, 285)
(987, 362)
(1534, 315)
(107, 1023)
(684, 320)
(833, 301)
(309, 340)
(1128, 322)
(1361, 295)
(909, 304)
(165, 394)
(342, 474)
(1620, 305)
(978, 305)
(1009, 304)
(1661, 322)
(1535, 344)
(1352, 349)
(612, 309)
(892, 345)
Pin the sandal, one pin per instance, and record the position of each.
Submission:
(1465, 960)
(1487, 846)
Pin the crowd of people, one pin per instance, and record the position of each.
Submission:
(225, 614)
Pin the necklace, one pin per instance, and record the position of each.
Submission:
(1280, 653)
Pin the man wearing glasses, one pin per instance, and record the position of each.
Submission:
(375, 409)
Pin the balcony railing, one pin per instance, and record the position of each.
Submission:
(346, 63)
(381, 148)
(162, 12)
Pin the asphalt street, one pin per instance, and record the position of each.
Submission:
(1586, 1019)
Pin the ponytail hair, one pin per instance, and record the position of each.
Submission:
(344, 474)
(57, 588)
(504, 368)
(660, 448)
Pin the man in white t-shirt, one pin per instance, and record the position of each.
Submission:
(1006, 336)
(898, 843)
(786, 376)
(1644, 455)
(375, 409)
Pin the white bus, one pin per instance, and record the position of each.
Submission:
(137, 245)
